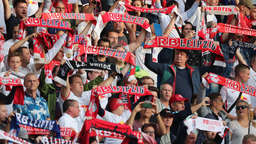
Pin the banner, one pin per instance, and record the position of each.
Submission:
(221, 10)
(52, 140)
(186, 44)
(42, 124)
(121, 129)
(204, 124)
(37, 22)
(132, 90)
(117, 17)
(4, 135)
(214, 78)
(10, 81)
(76, 16)
(150, 10)
(64, 132)
(123, 55)
(226, 28)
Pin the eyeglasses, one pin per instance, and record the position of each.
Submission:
(241, 107)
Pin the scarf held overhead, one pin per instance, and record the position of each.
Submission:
(214, 78)
(37, 22)
(187, 44)
(77, 16)
(117, 17)
(221, 10)
(149, 10)
(123, 55)
(226, 28)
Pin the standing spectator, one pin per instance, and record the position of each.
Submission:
(35, 106)
(71, 111)
(165, 96)
(240, 127)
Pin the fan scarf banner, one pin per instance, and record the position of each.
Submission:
(76, 16)
(123, 55)
(52, 140)
(226, 28)
(37, 22)
(221, 10)
(121, 129)
(64, 132)
(213, 78)
(204, 124)
(6, 136)
(117, 17)
(149, 10)
(186, 44)
(132, 90)
(42, 124)
(10, 81)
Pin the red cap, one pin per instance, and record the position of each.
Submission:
(177, 98)
(115, 103)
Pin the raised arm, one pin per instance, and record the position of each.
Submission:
(19, 43)
(7, 9)
(133, 46)
(157, 68)
(170, 26)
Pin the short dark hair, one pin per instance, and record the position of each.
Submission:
(214, 96)
(71, 79)
(16, 2)
(112, 30)
(21, 48)
(152, 88)
(68, 103)
(146, 77)
(240, 67)
(186, 22)
(13, 54)
(103, 40)
(148, 125)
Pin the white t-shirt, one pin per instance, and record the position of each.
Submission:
(229, 97)
(69, 122)
(116, 119)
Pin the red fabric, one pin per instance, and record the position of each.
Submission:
(187, 44)
(149, 10)
(214, 78)
(77, 16)
(123, 55)
(141, 21)
(19, 96)
(122, 129)
(226, 28)
(37, 22)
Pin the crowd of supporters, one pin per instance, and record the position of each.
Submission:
(128, 71)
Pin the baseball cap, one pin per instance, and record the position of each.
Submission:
(177, 98)
(166, 113)
(247, 3)
(115, 103)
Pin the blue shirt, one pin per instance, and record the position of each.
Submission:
(33, 108)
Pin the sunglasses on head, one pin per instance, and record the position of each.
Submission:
(241, 107)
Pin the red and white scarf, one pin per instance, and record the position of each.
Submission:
(37, 22)
(77, 16)
(226, 28)
(150, 10)
(221, 10)
(6, 136)
(214, 78)
(117, 17)
(187, 44)
(123, 55)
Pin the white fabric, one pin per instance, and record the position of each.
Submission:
(9, 43)
(32, 7)
(229, 96)
(69, 122)
(238, 132)
(116, 119)
(2, 21)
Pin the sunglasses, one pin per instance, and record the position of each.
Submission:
(241, 107)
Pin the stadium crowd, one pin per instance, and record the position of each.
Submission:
(128, 71)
